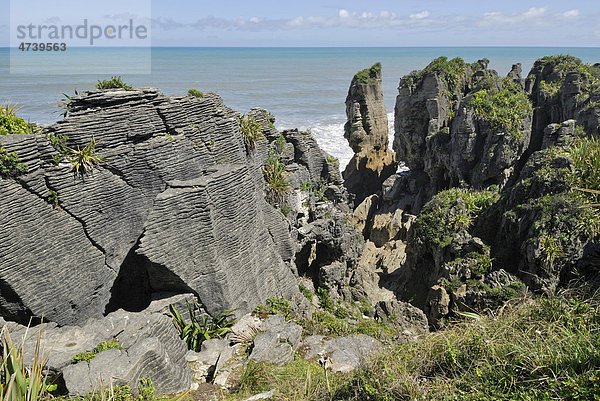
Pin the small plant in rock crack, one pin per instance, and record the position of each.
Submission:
(10, 165)
(53, 198)
(201, 327)
(276, 177)
(89, 355)
(251, 130)
(66, 103)
(59, 143)
(85, 159)
(316, 192)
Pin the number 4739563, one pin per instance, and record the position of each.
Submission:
(42, 47)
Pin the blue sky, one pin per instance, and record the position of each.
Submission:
(354, 23)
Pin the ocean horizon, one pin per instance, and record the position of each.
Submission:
(303, 87)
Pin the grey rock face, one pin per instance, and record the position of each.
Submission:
(151, 348)
(179, 207)
(278, 342)
(367, 134)
(445, 142)
(410, 320)
(344, 353)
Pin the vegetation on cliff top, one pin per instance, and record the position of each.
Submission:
(11, 124)
(505, 110)
(113, 83)
(195, 93)
(449, 71)
(368, 73)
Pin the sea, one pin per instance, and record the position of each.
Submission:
(302, 87)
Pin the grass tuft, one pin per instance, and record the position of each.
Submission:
(11, 124)
(251, 130)
(195, 93)
(85, 159)
(113, 83)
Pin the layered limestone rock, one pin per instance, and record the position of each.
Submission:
(447, 132)
(145, 345)
(462, 129)
(367, 135)
(178, 206)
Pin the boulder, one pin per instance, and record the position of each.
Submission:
(344, 353)
(278, 342)
(149, 343)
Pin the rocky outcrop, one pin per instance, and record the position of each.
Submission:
(178, 206)
(148, 346)
(562, 88)
(278, 341)
(367, 134)
(471, 221)
(447, 131)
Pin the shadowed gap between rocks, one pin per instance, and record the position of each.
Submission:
(311, 258)
(136, 283)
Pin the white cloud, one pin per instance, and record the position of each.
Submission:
(571, 14)
(421, 15)
(343, 18)
(535, 12)
(533, 16)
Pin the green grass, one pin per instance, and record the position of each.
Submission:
(145, 392)
(537, 349)
(306, 292)
(251, 130)
(195, 93)
(297, 380)
(273, 306)
(368, 74)
(11, 124)
(10, 165)
(324, 300)
(113, 83)
(87, 356)
(504, 110)
(546, 349)
(434, 224)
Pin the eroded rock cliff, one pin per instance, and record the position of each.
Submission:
(367, 135)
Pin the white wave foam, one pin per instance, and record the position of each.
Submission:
(329, 133)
